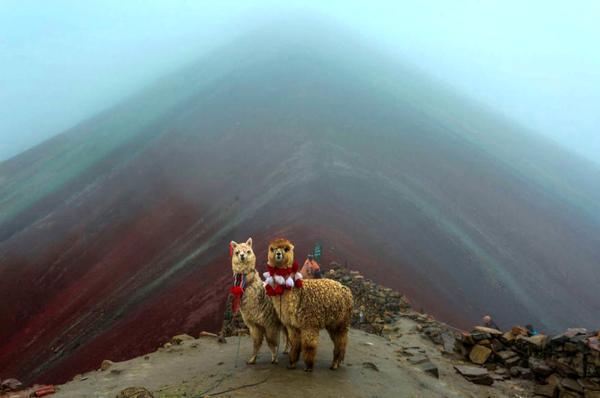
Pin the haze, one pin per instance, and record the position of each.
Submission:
(63, 61)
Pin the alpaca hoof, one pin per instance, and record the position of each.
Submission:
(251, 361)
(291, 366)
(307, 369)
(334, 366)
(274, 361)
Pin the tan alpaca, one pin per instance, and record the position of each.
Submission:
(305, 307)
(256, 308)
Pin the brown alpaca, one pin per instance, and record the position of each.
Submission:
(256, 308)
(305, 307)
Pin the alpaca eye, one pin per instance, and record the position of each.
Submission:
(287, 249)
(272, 250)
(248, 252)
(237, 252)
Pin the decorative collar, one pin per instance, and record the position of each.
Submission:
(277, 280)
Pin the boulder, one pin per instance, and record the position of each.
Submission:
(519, 331)
(491, 331)
(479, 354)
(545, 390)
(508, 337)
(571, 385)
(429, 368)
(418, 359)
(106, 364)
(180, 338)
(448, 342)
(478, 336)
(537, 342)
(475, 375)
(589, 385)
(508, 357)
(539, 367)
(10, 385)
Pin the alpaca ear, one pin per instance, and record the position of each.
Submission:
(291, 247)
(249, 242)
(233, 244)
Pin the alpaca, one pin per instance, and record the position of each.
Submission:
(305, 307)
(256, 308)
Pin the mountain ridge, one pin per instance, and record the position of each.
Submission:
(295, 140)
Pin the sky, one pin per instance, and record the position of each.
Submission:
(537, 62)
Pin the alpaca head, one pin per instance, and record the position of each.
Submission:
(281, 253)
(243, 260)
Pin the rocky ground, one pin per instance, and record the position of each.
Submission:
(376, 366)
(393, 352)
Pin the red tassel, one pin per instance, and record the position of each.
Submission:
(230, 250)
(235, 304)
(236, 290)
(298, 283)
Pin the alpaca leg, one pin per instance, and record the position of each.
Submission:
(310, 338)
(257, 337)
(286, 339)
(339, 336)
(272, 336)
(294, 336)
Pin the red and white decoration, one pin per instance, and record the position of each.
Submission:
(277, 280)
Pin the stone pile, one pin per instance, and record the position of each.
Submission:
(375, 306)
(566, 365)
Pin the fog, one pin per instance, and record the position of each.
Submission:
(537, 62)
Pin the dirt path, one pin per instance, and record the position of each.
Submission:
(202, 367)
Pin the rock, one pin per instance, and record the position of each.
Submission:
(106, 364)
(571, 385)
(508, 357)
(413, 351)
(519, 331)
(478, 336)
(545, 390)
(180, 338)
(508, 337)
(418, 359)
(475, 375)
(168, 345)
(10, 385)
(40, 391)
(448, 342)
(594, 343)
(514, 371)
(429, 368)
(568, 394)
(526, 374)
(370, 365)
(538, 341)
(491, 331)
(589, 385)
(479, 354)
(135, 392)
(539, 367)
(496, 345)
